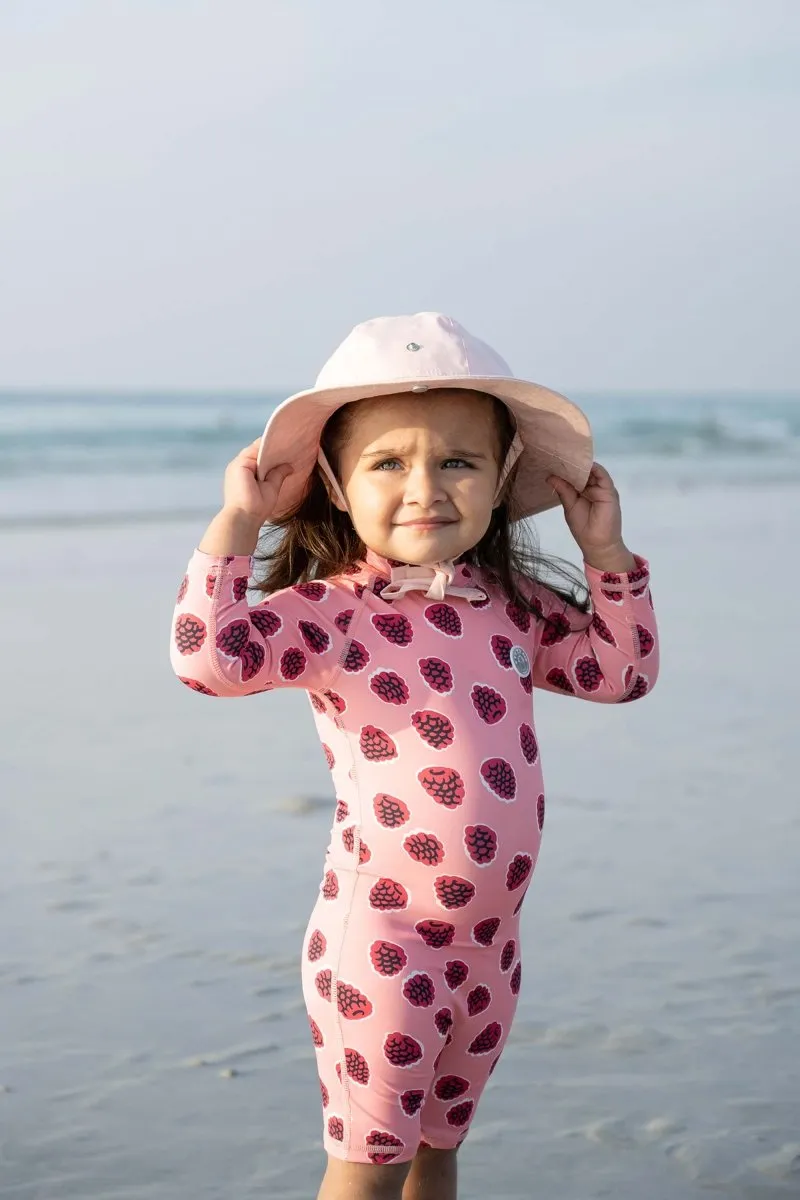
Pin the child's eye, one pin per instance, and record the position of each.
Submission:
(462, 462)
(387, 462)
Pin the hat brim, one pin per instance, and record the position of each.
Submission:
(556, 435)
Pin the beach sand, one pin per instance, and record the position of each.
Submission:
(160, 853)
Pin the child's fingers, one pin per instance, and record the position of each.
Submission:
(566, 493)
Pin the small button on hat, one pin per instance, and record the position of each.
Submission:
(424, 353)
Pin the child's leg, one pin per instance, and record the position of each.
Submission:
(364, 1181)
(432, 1176)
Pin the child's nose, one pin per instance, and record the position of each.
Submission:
(424, 486)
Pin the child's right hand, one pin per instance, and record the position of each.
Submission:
(245, 494)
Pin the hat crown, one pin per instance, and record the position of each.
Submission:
(423, 346)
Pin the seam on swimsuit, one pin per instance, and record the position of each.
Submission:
(338, 664)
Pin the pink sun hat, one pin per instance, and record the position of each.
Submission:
(422, 354)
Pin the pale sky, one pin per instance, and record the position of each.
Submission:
(210, 194)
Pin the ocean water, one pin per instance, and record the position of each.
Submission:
(81, 457)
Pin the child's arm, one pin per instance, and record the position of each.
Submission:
(222, 647)
(608, 655)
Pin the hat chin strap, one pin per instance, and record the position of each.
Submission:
(435, 579)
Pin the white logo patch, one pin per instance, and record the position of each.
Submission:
(520, 661)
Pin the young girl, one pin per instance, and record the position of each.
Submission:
(400, 595)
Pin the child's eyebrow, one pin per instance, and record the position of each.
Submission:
(392, 452)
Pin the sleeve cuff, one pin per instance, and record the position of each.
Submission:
(627, 581)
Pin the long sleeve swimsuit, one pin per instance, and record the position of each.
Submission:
(411, 961)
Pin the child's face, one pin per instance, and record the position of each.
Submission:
(420, 473)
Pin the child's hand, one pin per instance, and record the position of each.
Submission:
(244, 494)
(594, 518)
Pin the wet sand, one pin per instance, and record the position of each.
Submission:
(160, 852)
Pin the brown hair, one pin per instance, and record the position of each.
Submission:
(317, 541)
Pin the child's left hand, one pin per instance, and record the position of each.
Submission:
(594, 518)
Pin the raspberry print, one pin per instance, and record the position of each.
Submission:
(639, 688)
(558, 679)
(402, 1050)
(498, 776)
(646, 641)
(389, 686)
(239, 589)
(387, 895)
(293, 662)
(528, 744)
(359, 590)
(419, 990)
(349, 840)
(437, 674)
(330, 885)
(211, 583)
(481, 843)
(540, 812)
(456, 973)
(389, 811)
(453, 892)
(434, 729)
(356, 658)
(489, 704)
(252, 660)
(443, 1020)
(444, 618)
(190, 633)
(197, 686)
(379, 584)
(487, 1039)
(351, 569)
(411, 1101)
(233, 639)
(424, 848)
(315, 638)
(518, 871)
(266, 621)
(602, 630)
(316, 1034)
(436, 934)
(526, 683)
(588, 674)
(556, 629)
(351, 1003)
(342, 811)
(394, 627)
(336, 1128)
(313, 590)
(640, 575)
(478, 1000)
(182, 590)
(324, 1093)
(376, 745)
(317, 945)
(322, 981)
(342, 620)
(387, 959)
(444, 785)
(450, 1087)
(358, 1067)
(459, 1114)
(516, 979)
(317, 704)
(383, 1146)
(336, 701)
(485, 931)
(501, 649)
(608, 577)
(507, 955)
(519, 617)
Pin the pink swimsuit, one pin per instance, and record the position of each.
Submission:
(411, 959)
